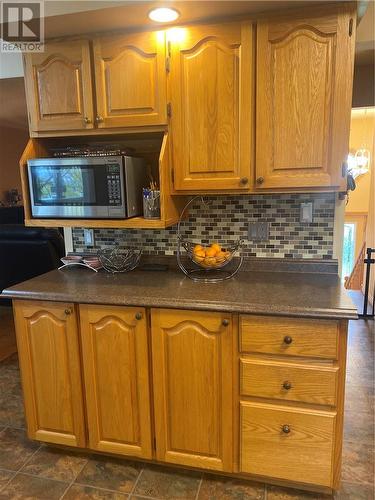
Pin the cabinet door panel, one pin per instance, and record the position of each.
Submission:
(58, 87)
(303, 106)
(211, 92)
(192, 368)
(130, 80)
(49, 357)
(115, 359)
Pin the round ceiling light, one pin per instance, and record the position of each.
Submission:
(163, 15)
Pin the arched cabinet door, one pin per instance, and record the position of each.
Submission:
(59, 87)
(193, 387)
(303, 98)
(211, 90)
(115, 361)
(47, 338)
(130, 78)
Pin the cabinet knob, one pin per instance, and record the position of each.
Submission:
(244, 180)
(138, 316)
(225, 322)
(87, 120)
(99, 119)
(287, 385)
(288, 340)
(285, 429)
(260, 180)
(68, 311)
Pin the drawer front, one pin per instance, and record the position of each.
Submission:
(290, 336)
(288, 381)
(287, 443)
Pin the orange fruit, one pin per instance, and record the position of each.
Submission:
(220, 257)
(199, 255)
(209, 261)
(216, 247)
(197, 248)
(210, 252)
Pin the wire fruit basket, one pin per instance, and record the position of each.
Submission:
(206, 264)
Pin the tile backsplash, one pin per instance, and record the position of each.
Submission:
(227, 218)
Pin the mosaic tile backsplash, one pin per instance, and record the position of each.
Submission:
(227, 218)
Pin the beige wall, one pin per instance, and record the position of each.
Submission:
(14, 132)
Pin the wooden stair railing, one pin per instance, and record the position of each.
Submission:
(355, 280)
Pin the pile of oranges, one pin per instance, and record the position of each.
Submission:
(212, 256)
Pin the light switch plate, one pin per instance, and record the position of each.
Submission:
(88, 237)
(306, 213)
(258, 231)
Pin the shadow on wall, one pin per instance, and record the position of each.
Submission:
(14, 132)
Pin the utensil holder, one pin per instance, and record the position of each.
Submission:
(151, 204)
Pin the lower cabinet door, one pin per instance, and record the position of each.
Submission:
(193, 387)
(115, 361)
(47, 337)
(288, 443)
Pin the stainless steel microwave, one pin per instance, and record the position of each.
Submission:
(108, 187)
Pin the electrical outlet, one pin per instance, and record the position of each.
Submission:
(258, 231)
(306, 213)
(88, 237)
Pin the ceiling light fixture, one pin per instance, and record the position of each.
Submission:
(164, 15)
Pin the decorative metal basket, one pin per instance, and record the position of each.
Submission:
(116, 260)
(207, 264)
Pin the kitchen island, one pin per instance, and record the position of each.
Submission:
(244, 377)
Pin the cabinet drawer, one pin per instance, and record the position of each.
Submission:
(288, 381)
(287, 443)
(292, 336)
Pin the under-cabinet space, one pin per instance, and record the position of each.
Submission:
(115, 365)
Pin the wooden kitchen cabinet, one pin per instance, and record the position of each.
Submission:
(115, 363)
(303, 98)
(193, 388)
(211, 84)
(130, 78)
(59, 87)
(47, 338)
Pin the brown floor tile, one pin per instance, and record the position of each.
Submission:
(79, 492)
(358, 463)
(55, 463)
(5, 475)
(359, 427)
(11, 410)
(30, 488)
(166, 483)
(15, 448)
(111, 474)
(279, 493)
(222, 488)
(355, 491)
(9, 381)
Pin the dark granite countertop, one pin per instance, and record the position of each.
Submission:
(273, 293)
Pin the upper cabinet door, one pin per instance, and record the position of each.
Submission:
(59, 88)
(303, 99)
(211, 91)
(193, 388)
(47, 336)
(115, 361)
(130, 76)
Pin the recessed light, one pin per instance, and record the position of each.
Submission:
(163, 15)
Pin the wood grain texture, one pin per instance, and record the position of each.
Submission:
(59, 87)
(309, 384)
(47, 339)
(130, 78)
(304, 454)
(193, 390)
(210, 91)
(300, 90)
(115, 362)
(310, 338)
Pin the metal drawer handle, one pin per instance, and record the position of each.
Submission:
(99, 119)
(288, 340)
(68, 311)
(260, 180)
(138, 316)
(287, 385)
(225, 322)
(244, 180)
(286, 429)
(87, 120)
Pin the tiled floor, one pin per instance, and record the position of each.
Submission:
(31, 471)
